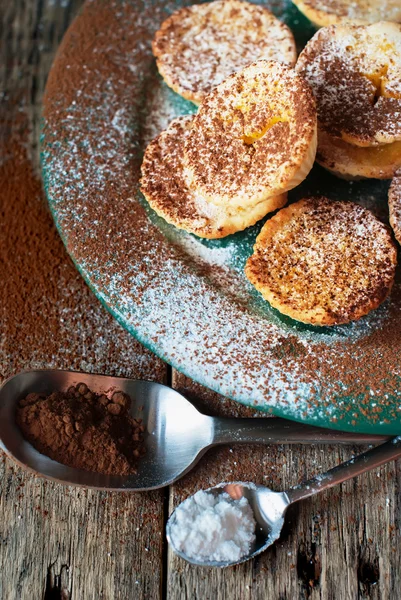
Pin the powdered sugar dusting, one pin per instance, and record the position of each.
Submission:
(185, 298)
(394, 202)
(369, 11)
(323, 262)
(199, 47)
(162, 107)
(355, 74)
(267, 106)
(164, 183)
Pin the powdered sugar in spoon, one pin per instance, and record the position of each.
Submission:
(269, 507)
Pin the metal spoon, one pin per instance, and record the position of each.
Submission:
(269, 507)
(177, 435)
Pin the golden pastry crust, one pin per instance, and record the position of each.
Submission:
(164, 186)
(355, 74)
(253, 137)
(336, 12)
(352, 162)
(199, 46)
(394, 204)
(323, 262)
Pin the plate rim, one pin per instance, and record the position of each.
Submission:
(198, 376)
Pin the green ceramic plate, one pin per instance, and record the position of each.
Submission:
(185, 298)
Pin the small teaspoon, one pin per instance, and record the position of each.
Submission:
(269, 507)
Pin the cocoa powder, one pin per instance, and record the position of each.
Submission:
(350, 105)
(189, 305)
(82, 429)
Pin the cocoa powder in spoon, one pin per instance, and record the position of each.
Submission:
(82, 429)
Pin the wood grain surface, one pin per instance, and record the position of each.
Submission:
(63, 543)
(58, 542)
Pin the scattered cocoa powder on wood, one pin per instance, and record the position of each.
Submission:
(82, 429)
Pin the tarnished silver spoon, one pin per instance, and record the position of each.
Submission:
(269, 507)
(176, 437)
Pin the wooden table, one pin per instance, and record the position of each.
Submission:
(66, 543)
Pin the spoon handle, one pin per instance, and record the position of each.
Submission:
(282, 431)
(367, 461)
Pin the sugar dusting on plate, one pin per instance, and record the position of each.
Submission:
(187, 299)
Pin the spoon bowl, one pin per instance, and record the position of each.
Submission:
(176, 433)
(268, 509)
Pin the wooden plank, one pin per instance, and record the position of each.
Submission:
(64, 543)
(58, 542)
(342, 544)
